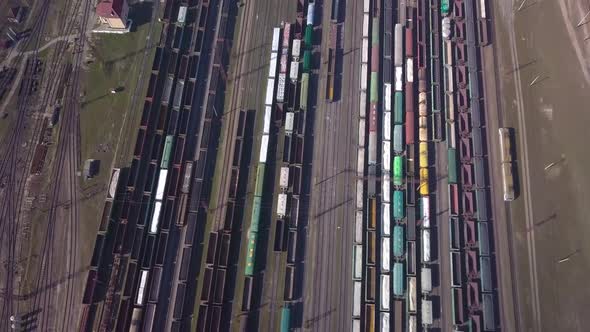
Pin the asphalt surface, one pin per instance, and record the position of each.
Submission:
(546, 264)
(327, 304)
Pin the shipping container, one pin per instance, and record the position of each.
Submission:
(370, 317)
(486, 274)
(412, 324)
(386, 220)
(384, 321)
(285, 319)
(409, 70)
(425, 245)
(385, 256)
(425, 208)
(426, 312)
(276, 35)
(251, 253)
(399, 79)
(455, 233)
(308, 38)
(398, 205)
(143, 278)
(457, 306)
(398, 115)
(296, 49)
(398, 173)
(411, 222)
(358, 234)
(370, 279)
(452, 165)
(412, 295)
(386, 188)
(385, 287)
(304, 91)
(399, 44)
(386, 156)
(310, 13)
(481, 199)
(356, 298)
(423, 154)
(489, 317)
(398, 279)
(424, 189)
(386, 126)
(358, 262)
(426, 280)
(398, 241)
(398, 144)
(294, 71)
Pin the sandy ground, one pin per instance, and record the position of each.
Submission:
(546, 223)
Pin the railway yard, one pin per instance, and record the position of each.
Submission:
(292, 165)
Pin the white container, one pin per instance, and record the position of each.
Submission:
(409, 70)
(161, 184)
(366, 25)
(387, 126)
(272, 67)
(282, 205)
(356, 325)
(356, 299)
(412, 324)
(385, 286)
(359, 194)
(296, 50)
(426, 245)
(413, 304)
(289, 121)
(143, 276)
(270, 91)
(294, 71)
(181, 15)
(155, 218)
(358, 229)
(386, 197)
(387, 96)
(310, 12)
(263, 149)
(386, 164)
(385, 322)
(276, 33)
(386, 219)
(281, 88)
(365, 51)
(399, 80)
(362, 132)
(284, 178)
(364, 76)
(366, 6)
(426, 277)
(363, 104)
(358, 262)
(267, 115)
(360, 167)
(385, 257)
(425, 212)
(426, 312)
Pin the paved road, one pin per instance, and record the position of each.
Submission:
(328, 257)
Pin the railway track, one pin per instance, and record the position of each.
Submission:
(64, 170)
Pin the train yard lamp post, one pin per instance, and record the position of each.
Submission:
(562, 159)
(535, 80)
(582, 21)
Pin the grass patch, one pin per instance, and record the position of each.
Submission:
(117, 62)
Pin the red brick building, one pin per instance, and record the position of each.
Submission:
(113, 12)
